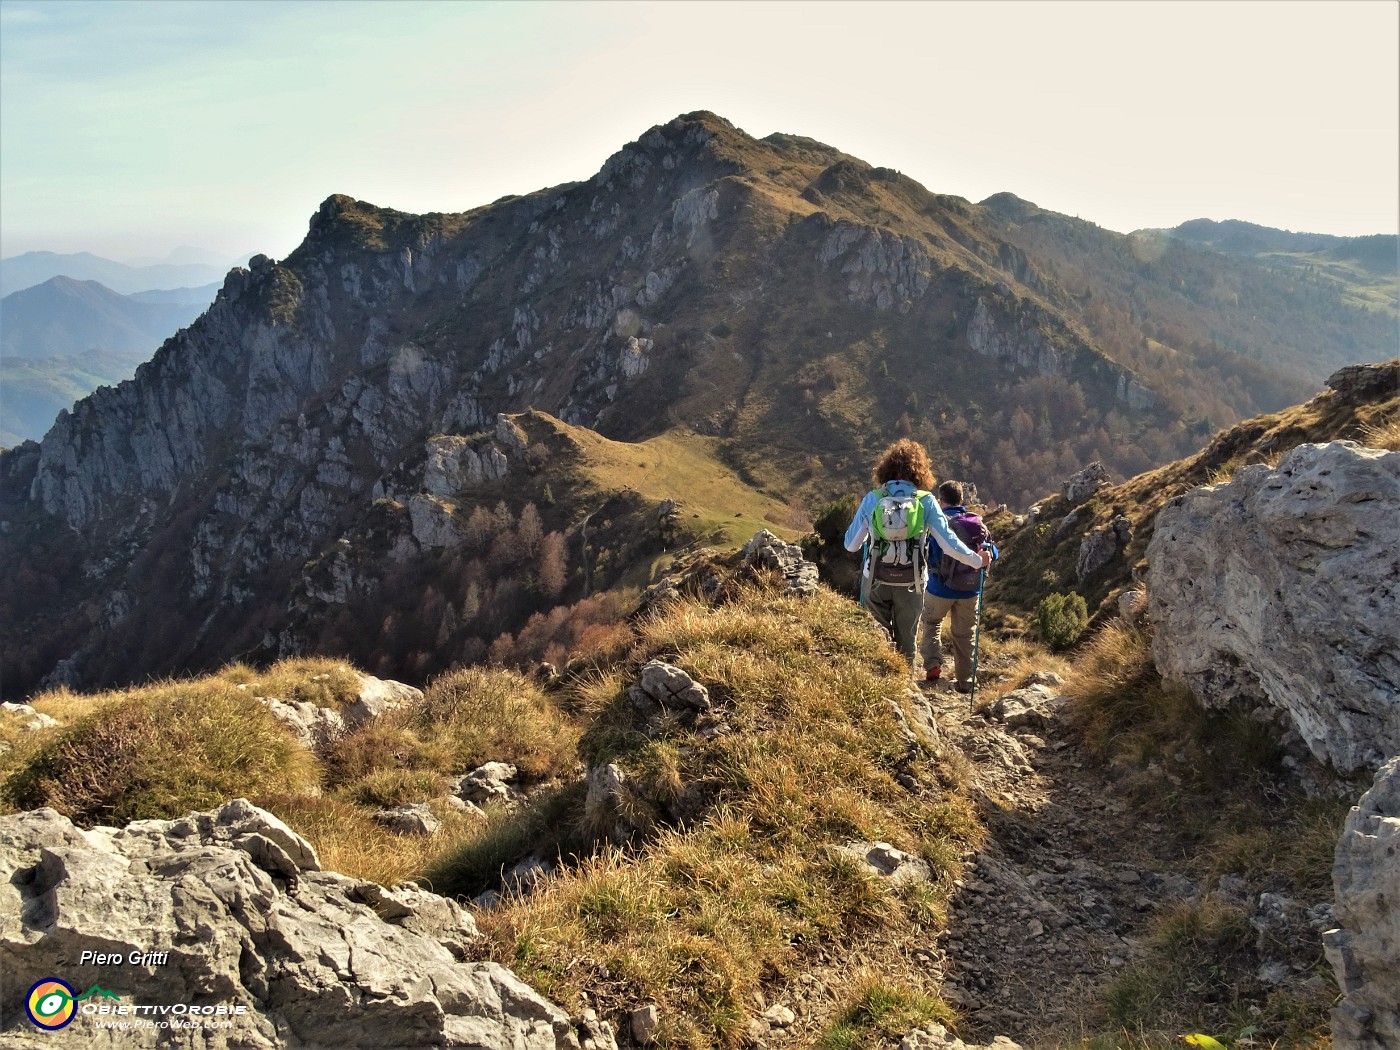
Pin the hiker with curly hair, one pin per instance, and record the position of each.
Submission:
(892, 524)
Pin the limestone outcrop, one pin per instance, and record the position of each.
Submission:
(226, 919)
(316, 726)
(1283, 588)
(1365, 952)
(767, 551)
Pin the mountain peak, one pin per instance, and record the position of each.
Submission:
(1010, 206)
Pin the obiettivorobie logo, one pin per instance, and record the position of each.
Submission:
(52, 1004)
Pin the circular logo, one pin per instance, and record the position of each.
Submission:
(50, 1004)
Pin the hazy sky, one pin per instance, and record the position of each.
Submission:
(128, 128)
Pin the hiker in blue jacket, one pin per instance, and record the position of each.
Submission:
(953, 588)
(893, 524)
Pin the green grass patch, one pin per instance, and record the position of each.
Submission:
(879, 1012)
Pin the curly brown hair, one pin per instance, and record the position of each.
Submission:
(905, 460)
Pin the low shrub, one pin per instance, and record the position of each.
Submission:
(1062, 619)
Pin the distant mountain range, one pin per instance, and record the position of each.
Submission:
(25, 271)
(62, 339)
(318, 463)
(64, 316)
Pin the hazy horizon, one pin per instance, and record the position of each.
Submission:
(132, 128)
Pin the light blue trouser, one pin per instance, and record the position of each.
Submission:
(897, 610)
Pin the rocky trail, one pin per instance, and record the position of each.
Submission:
(1048, 910)
(1058, 899)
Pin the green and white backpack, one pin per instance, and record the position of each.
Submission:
(897, 557)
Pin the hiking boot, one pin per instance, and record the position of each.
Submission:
(963, 687)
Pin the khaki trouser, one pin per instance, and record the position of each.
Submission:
(896, 609)
(964, 612)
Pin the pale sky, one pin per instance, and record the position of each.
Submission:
(128, 127)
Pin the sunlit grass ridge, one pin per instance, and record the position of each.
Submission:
(698, 915)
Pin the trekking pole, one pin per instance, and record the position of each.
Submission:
(976, 637)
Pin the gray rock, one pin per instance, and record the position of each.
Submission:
(1101, 546)
(1355, 382)
(767, 551)
(378, 696)
(936, 1037)
(1079, 487)
(671, 687)
(318, 959)
(1283, 588)
(1034, 707)
(527, 875)
(492, 782)
(1365, 952)
(606, 788)
(889, 863)
(434, 522)
(30, 719)
(317, 726)
(414, 819)
(1132, 605)
(779, 1016)
(454, 466)
(645, 1022)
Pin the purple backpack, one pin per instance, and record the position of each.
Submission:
(952, 573)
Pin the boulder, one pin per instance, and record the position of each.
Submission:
(670, 686)
(414, 819)
(1102, 545)
(767, 551)
(316, 726)
(1365, 952)
(1034, 707)
(1283, 587)
(1079, 487)
(1356, 382)
(229, 910)
(492, 782)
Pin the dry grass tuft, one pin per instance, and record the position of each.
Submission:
(350, 841)
(1381, 432)
(160, 751)
(325, 683)
(879, 1011)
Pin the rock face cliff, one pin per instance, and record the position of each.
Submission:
(1282, 588)
(1365, 952)
(228, 922)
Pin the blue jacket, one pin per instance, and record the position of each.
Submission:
(935, 523)
(936, 586)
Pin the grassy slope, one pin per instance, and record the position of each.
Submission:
(732, 884)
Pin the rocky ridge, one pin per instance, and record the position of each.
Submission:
(231, 909)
